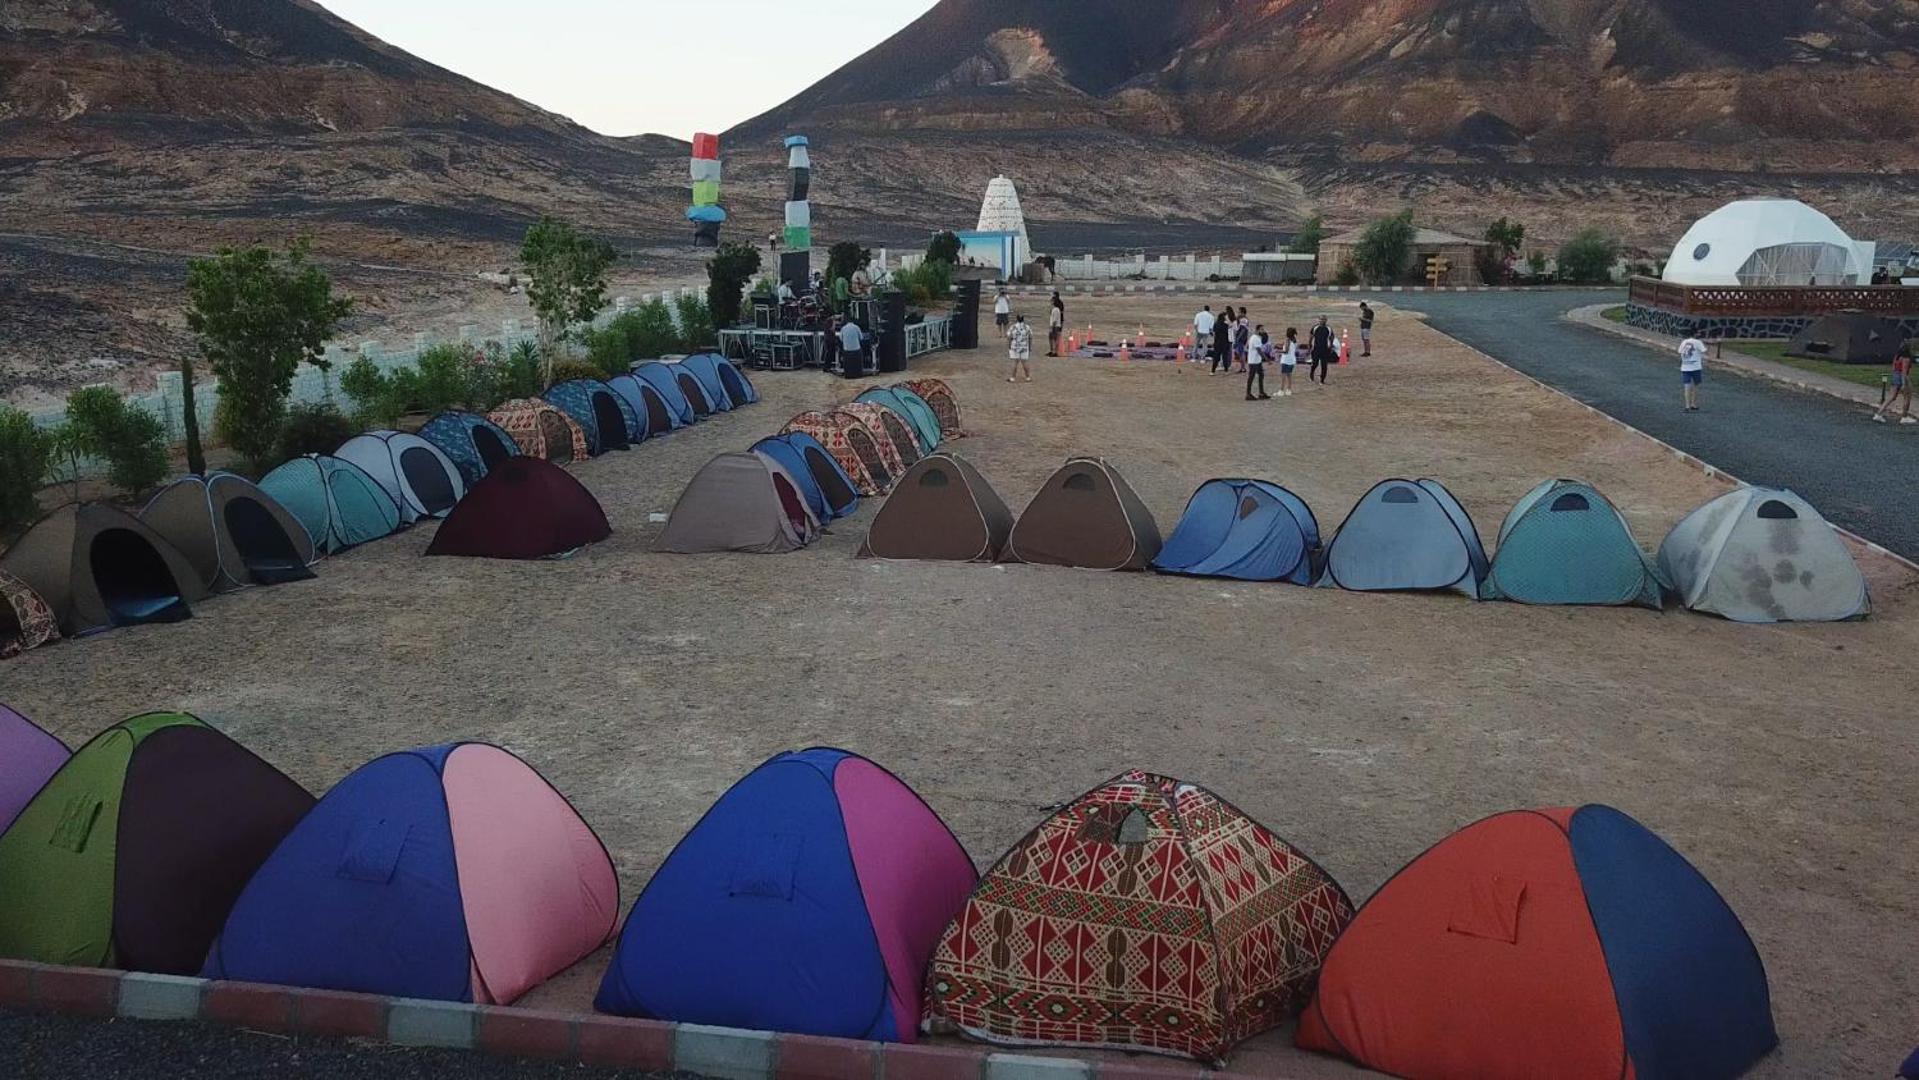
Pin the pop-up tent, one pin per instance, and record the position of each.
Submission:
(806, 901)
(1850, 337)
(1087, 516)
(423, 483)
(910, 408)
(454, 873)
(851, 445)
(28, 759)
(1564, 943)
(1565, 543)
(525, 509)
(26, 620)
(890, 432)
(608, 420)
(97, 567)
(1148, 915)
(541, 430)
(656, 416)
(740, 502)
(943, 509)
(825, 507)
(232, 532)
(1249, 530)
(1407, 536)
(335, 501)
(132, 854)
(691, 388)
(1762, 555)
(723, 382)
(942, 400)
(474, 444)
(842, 495)
(666, 381)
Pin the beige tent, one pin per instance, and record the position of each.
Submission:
(942, 509)
(740, 502)
(96, 567)
(1086, 516)
(233, 533)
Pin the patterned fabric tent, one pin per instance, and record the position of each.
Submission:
(541, 430)
(945, 404)
(26, 622)
(1148, 915)
(897, 446)
(851, 445)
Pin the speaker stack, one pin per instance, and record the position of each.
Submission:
(892, 331)
(966, 315)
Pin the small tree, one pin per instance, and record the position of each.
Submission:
(258, 317)
(378, 399)
(845, 259)
(695, 322)
(1506, 238)
(190, 419)
(1587, 259)
(944, 247)
(1384, 249)
(1312, 232)
(727, 273)
(129, 438)
(566, 278)
(25, 453)
(1536, 264)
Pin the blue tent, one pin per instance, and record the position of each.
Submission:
(474, 444)
(808, 900)
(1565, 543)
(661, 378)
(716, 370)
(338, 504)
(911, 408)
(692, 388)
(655, 413)
(842, 495)
(609, 422)
(794, 462)
(1407, 536)
(1245, 529)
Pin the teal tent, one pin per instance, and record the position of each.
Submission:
(913, 409)
(1565, 543)
(337, 503)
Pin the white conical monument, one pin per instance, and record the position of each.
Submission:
(1000, 212)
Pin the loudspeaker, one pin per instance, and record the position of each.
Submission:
(966, 316)
(795, 268)
(892, 331)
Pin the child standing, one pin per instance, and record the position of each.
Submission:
(1256, 349)
(1019, 348)
(1288, 358)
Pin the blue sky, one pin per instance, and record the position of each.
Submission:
(624, 67)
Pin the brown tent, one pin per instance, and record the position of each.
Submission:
(944, 403)
(740, 502)
(96, 567)
(26, 622)
(1086, 516)
(942, 509)
(1849, 337)
(233, 533)
(850, 444)
(541, 430)
(894, 436)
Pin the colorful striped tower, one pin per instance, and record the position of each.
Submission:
(706, 213)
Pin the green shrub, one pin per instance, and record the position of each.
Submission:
(845, 259)
(25, 454)
(1587, 259)
(607, 349)
(1347, 277)
(1385, 248)
(316, 427)
(1311, 233)
(695, 323)
(378, 399)
(727, 273)
(927, 284)
(520, 376)
(568, 370)
(944, 247)
(131, 440)
(442, 379)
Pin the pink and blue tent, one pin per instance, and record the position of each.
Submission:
(454, 873)
(28, 759)
(808, 900)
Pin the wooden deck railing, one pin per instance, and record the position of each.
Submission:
(1774, 301)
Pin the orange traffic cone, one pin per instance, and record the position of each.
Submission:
(1125, 349)
(1179, 359)
(1345, 346)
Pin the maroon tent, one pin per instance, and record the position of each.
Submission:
(524, 509)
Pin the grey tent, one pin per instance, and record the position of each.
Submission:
(98, 567)
(1407, 536)
(740, 502)
(1085, 516)
(1849, 337)
(233, 533)
(1762, 555)
(943, 509)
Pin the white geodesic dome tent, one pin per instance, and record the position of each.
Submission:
(1756, 242)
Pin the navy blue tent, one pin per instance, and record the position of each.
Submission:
(474, 444)
(1250, 530)
(610, 423)
(661, 378)
(717, 371)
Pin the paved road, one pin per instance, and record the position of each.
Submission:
(64, 1048)
(1861, 475)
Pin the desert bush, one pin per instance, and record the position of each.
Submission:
(1384, 249)
(568, 370)
(131, 440)
(927, 284)
(1587, 259)
(442, 378)
(1348, 276)
(696, 325)
(944, 247)
(316, 427)
(25, 454)
(1307, 240)
(378, 400)
(727, 273)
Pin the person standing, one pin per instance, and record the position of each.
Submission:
(1019, 348)
(852, 349)
(1223, 342)
(1055, 325)
(1901, 388)
(1242, 339)
(1002, 312)
(1203, 330)
(1325, 351)
(1288, 359)
(1692, 370)
(1365, 329)
(1256, 350)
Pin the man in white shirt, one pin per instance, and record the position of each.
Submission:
(852, 348)
(1002, 312)
(1203, 324)
(1692, 370)
(785, 292)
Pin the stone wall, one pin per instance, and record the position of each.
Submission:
(1730, 327)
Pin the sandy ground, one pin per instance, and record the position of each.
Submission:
(1362, 727)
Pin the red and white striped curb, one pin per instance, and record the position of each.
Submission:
(585, 1039)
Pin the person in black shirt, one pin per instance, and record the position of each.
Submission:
(1325, 351)
(1365, 329)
